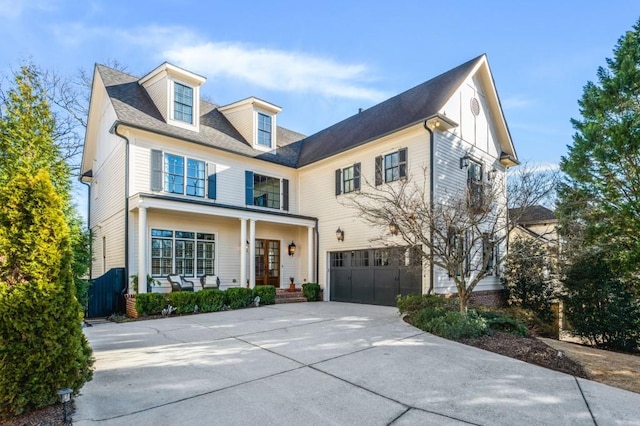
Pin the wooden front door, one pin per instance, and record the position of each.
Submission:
(268, 262)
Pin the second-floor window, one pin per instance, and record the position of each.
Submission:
(184, 176)
(348, 179)
(182, 103)
(264, 130)
(266, 191)
(391, 167)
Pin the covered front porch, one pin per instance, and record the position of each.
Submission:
(241, 246)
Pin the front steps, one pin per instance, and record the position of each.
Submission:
(286, 296)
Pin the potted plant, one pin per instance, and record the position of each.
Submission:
(151, 282)
(292, 286)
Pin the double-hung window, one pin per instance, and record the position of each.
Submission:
(264, 130)
(180, 252)
(182, 103)
(348, 179)
(391, 167)
(176, 169)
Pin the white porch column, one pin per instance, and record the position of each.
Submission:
(243, 252)
(310, 254)
(142, 249)
(252, 253)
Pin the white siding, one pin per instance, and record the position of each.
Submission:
(230, 169)
(243, 120)
(157, 91)
(317, 195)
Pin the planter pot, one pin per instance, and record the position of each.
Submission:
(292, 287)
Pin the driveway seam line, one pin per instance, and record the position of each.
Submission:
(389, 398)
(195, 396)
(584, 398)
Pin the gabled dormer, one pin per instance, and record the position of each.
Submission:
(176, 93)
(255, 119)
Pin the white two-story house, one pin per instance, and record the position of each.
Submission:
(181, 186)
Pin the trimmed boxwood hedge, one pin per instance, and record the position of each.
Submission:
(239, 297)
(210, 300)
(150, 303)
(267, 294)
(183, 301)
(311, 291)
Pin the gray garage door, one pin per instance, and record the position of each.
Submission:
(374, 276)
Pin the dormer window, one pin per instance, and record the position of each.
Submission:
(183, 103)
(264, 130)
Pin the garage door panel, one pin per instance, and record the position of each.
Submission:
(385, 286)
(341, 285)
(410, 281)
(374, 276)
(362, 290)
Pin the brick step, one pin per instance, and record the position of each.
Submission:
(291, 300)
(286, 296)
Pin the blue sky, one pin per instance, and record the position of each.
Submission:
(322, 61)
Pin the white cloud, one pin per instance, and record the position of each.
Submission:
(13, 9)
(276, 69)
(273, 69)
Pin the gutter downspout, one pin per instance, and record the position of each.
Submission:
(431, 186)
(89, 226)
(317, 252)
(114, 130)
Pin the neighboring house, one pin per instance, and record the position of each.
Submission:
(540, 224)
(179, 185)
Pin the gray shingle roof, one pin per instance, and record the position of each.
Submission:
(405, 109)
(134, 107)
(534, 214)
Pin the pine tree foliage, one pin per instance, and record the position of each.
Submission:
(27, 133)
(598, 306)
(600, 198)
(42, 347)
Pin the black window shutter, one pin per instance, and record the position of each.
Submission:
(285, 194)
(356, 176)
(378, 170)
(402, 154)
(156, 170)
(338, 182)
(248, 184)
(211, 182)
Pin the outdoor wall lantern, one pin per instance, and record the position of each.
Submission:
(393, 228)
(491, 175)
(464, 161)
(65, 396)
(247, 246)
(292, 248)
(340, 234)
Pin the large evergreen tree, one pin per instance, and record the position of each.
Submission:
(600, 198)
(42, 347)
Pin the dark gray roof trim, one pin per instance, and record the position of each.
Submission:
(134, 108)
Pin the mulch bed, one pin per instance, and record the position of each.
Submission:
(47, 416)
(527, 349)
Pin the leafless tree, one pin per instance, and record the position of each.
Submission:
(69, 97)
(464, 233)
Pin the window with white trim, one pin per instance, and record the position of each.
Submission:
(182, 103)
(184, 177)
(266, 191)
(264, 130)
(182, 252)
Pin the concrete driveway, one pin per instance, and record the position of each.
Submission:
(319, 364)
